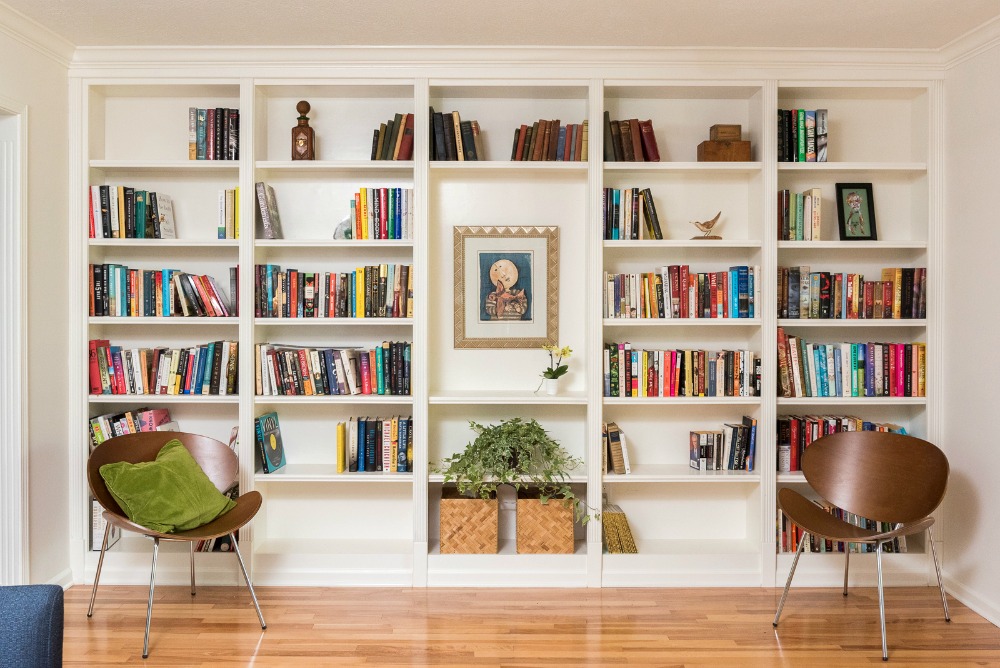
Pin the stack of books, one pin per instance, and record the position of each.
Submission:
(618, 537)
(393, 140)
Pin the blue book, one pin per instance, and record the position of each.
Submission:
(362, 440)
(819, 354)
(269, 281)
(837, 371)
(870, 372)
(326, 356)
(745, 289)
(398, 218)
(862, 369)
(794, 280)
(561, 143)
(199, 370)
(402, 441)
(616, 208)
(206, 380)
(843, 296)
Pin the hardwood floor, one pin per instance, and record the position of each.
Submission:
(518, 627)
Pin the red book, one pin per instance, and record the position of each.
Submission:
(900, 370)
(522, 133)
(713, 294)
(869, 299)
(96, 387)
(649, 149)
(383, 215)
(634, 133)
(406, 142)
(892, 368)
(793, 454)
(578, 144)
(189, 375)
(307, 384)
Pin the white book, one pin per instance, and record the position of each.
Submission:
(113, 210)
(628, 466)
(224, 367)
(831, 371)
(95, 211)
(807, 216)
(165, 210)
(352, 444)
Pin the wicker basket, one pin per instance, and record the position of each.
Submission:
(544, 528)
(468, 526)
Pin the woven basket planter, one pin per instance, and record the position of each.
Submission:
(468, 526)
(544, 528)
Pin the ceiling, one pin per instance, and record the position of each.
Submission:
(837, 24)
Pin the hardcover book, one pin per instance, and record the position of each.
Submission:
(270, 450)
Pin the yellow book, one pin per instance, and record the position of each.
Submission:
(121, 211)
(688, 378)
(409, 292)
(393, 464)
(921, 349)
(583, 143)
(236, 213)
(341, 447)
(364, 213)
(897, 294)
(359, 290)
(174, 380)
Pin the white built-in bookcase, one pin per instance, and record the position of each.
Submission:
(320, 528)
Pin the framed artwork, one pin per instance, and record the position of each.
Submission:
(856, 212)
(506, 287)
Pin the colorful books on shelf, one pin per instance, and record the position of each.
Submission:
(855, 369)
(632, 372)
(382, 213)
(615, 449)
(375, 291)
(270, 450)
(618, 537)
(800, 215)
(452, 138)
(213, 134)
(550, 140)
(109, 425)
(126, 212)
(629, 140)
(630, 213)
(229, 214)
(307, 371)
(796, 432)
(373, 444)
(732, 448)
(900, 294)
(789, 534)
(210, 368)
(266, 217)
(675, 291)
(803, 135)
(393, 140)
(118, 291)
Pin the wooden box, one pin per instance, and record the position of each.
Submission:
(725, 133)
(469, 526)
(544, 528)
(724, 151)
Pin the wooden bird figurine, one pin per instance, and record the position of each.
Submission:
(706, 227)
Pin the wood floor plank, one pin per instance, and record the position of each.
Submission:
(522, 627)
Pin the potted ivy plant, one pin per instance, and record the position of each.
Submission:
(523, 455)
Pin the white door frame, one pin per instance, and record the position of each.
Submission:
(13, 340)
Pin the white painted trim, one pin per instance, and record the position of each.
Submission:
(972, 600)
(971, 44)
(32, 34)
(13, 358)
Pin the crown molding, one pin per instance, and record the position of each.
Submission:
(32, 34)
(561, 62)
(971, 44)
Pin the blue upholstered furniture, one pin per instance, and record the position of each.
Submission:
(31, 626)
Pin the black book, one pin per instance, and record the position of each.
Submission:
(440, 139)
(234, 134)
(100, 292)
(781, 137)
(375, 144)
(825, 290)
(391, 127)
(609, 148)
(794, 280)
(652, 220)
(906, 302)
(468, 141)
(233, 373)
(451, 148)
(216, 367)
(105, 193)
(371, 448)
(129, 212)
(224, 131)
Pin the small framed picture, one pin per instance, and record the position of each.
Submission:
(856, 212)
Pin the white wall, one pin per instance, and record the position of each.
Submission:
(39, 82)
(972, 357)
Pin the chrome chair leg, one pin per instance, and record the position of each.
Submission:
(937, 569)
(149, 606)
(881, 599)
(100, 563)
(239, 557)
(191, 544)
(847, 564)
(795, 562)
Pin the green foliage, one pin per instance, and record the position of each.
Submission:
(516, 453)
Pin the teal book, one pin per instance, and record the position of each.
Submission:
(270, 449)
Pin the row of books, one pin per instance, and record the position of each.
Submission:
(210, 368)
(863, 369)
(393, 140)
(796, 432)
(618, 537)
(382, 213)
(621, 213)
(789, 534)
(213, 134)
(373, 444)
(629, 140)
(109, 425)
(451, 138)
(127, 212)
(632, 372)
(118, 291)
(800, 215)
(731, 448)
(229, 214)
(615, 450)
(549, 140)
(375, 291)
(300, 370)
(675, 292)
(802, 135)
(901, 294)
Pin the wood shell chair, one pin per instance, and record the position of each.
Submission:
(221, 466)
(880, 476)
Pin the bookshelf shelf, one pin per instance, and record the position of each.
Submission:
(163, 398)
(331, 322)
(666, 473)
(293, 473)
(826, 246)
(681, 322)
(706, 401)
(913, 167)
(511, 397)
(334, 399)
(852, 401)
(179, 166)
(682, 167)
(525, 166)
(847, 322)
(160, 320)
(353, 244)
(360, 167)
(693, 244)
(132, 244)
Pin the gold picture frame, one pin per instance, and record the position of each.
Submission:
(506, 287)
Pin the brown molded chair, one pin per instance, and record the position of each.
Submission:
(880, 476)
(221, 466)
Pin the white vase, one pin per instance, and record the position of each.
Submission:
(551, 386)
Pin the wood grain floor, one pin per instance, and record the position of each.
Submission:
(518, 627)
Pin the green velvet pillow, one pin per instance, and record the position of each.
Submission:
(168, 494)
